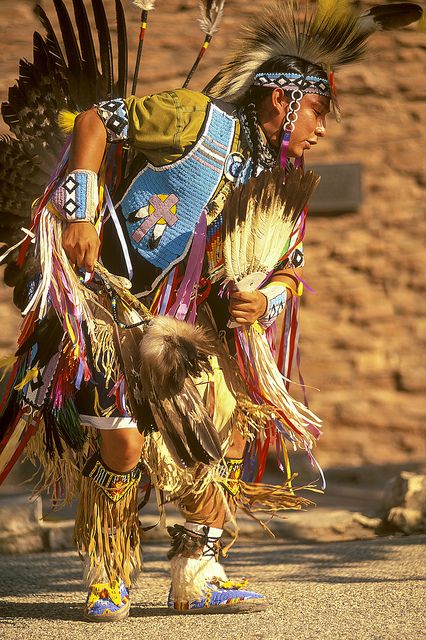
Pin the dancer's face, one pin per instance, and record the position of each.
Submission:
(309, 126)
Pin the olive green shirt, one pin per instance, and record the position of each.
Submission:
(162, 126)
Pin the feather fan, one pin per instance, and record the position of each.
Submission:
(260, 226)
(258, 221)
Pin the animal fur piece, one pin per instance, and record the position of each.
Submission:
(159, 357)
(259, 218)
(170, 351)
(211, 15)
(330, 38)
(189, 577)
(144, 5)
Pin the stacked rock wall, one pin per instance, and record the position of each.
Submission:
(363, 331)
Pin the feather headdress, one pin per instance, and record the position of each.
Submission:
(333, 36)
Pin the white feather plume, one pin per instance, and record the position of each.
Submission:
(211, 15)
(259, 218)
(144, 5)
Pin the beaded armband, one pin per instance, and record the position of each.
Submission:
(114, 115)
(77, 197)
(114, 485)
(276, 295)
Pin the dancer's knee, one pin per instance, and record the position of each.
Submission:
(121, 448)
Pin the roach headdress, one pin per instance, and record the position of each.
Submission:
(330, 36)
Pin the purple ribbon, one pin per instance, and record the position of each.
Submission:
(185, 305)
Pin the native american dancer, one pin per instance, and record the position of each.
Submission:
(197, 202)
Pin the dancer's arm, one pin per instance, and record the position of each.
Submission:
(80, 240)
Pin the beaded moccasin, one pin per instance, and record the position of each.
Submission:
(221, 597)
(107, 602)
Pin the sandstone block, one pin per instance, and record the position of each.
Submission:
(404, 502)
(20, 525)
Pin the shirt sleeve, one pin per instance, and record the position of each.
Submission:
(161, 126)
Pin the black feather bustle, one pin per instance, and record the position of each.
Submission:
(105, 47)
(88, 53)
(122, 47)
(64, 74)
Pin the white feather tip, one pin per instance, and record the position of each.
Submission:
(211, 15)
(144, 5)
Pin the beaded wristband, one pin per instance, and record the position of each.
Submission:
(77, 197)
(276, 295)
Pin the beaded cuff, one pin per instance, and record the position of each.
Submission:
(77, 197)
(276, 295)
(114, 485)
(114, 115)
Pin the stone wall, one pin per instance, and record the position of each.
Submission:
(364, 328)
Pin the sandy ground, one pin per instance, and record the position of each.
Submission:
(371, 590)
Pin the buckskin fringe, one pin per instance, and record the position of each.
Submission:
(59, 473)
(107, 533)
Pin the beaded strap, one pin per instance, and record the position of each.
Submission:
(114, 485)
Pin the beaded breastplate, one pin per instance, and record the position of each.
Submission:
(163, 204)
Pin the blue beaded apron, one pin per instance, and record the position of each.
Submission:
(163, 204)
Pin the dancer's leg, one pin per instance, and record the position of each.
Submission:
(107, 524)
(198, 580)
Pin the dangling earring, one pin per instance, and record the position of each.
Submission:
(289, 122)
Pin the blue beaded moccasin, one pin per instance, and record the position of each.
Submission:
(221, 597)
(107, 602)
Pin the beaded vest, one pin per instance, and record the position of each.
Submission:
(163, 204)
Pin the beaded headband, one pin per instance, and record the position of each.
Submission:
(294, 81)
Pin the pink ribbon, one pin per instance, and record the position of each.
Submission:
(185, 305)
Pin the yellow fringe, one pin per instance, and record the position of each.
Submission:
(104, 352)
(66, 120)
(58, 473)
(108, 534)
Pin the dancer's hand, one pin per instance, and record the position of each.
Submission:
(246, 307)
(81, 244)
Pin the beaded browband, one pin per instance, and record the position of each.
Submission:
(294, 81)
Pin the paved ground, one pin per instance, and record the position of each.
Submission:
(361, 590)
